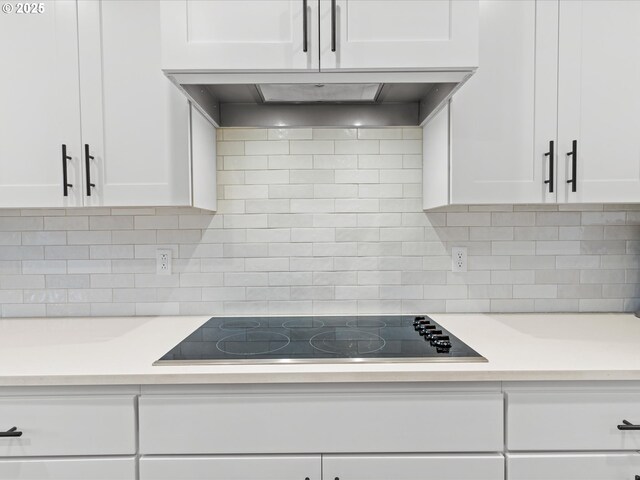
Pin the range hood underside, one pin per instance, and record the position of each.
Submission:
(376, 99)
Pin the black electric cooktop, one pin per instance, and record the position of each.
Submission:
(401, 338)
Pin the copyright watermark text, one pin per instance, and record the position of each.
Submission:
(23, 8)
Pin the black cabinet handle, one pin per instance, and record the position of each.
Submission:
(65, 184)
(627, 425)
(12, 432)
(551, 155)
(87, 168)
(305, 46)
(333, 25)
(574, 165)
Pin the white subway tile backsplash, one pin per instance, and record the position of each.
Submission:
(357, 146)
(288, 162)
(230, 148)
(381, 133)
(401, 146)
(269, 177)
(62, 223)
(266, 293)
(44, 266)
(306, 147)
(244, 134)
(14, 238)
(33, 238)
(290, 134)
(335, 133)
(290, 191)
(592, 232)
(334, 162)
(323, 221)
(334, 191)
(242, 162)
(312, 206)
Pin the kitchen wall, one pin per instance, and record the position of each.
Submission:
(319, 221)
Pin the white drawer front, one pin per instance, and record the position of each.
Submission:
(572, 421)
(413, 467)
(327, 423)
(71, 425)
(586, 466)
(278, 467)
(69, 469)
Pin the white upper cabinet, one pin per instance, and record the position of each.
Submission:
(203, 162)
(240, 35)
(599, 101)
(314, 35)
(503, 120)
(134, 121)
(402, 34)
(40, 108)
(553, 113)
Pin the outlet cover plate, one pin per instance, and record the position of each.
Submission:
(163, 262)
(459, 259)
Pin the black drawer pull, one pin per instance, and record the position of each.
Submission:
(65, 183)
(550, 154)
(627, 425)
(12, 432)
(574, 165)
(305, 35)
(87, 168)
(333, 27)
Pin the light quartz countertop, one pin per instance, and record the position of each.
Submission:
(121, 351)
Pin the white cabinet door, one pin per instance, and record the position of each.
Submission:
(504, 117)
(231, 468)
(134, 121)
(334, 423)
(240, 35)
(588, 466)
(572, 421)
(39, 107)
(68, 425)
(402, 34)
(413, 467)
(203, 162)
(599, 101)
(69, 469)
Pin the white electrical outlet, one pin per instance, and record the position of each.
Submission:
(163, 262)
(459, 259)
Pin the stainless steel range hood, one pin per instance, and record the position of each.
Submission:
(336, 99)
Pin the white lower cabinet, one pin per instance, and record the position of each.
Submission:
(69, 469)
(413, 467)
(320, 422)
(577, 466)
(572, 420)
(68, 425)
(461, 431)
(246, 467)
(325, 467)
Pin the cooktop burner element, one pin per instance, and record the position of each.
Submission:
(380, 338)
